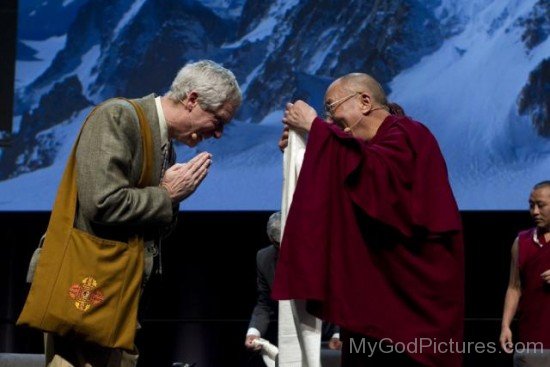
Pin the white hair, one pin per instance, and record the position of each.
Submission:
(214, 84)
(274, 227)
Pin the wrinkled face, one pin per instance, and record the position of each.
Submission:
(342, 105)
(539, 207)
(205, 124)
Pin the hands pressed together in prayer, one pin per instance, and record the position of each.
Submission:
(298, 115)
(182, 179)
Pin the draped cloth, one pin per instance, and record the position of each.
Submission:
(299, 332)
(373, 238)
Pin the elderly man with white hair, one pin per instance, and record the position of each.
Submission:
(115, 203)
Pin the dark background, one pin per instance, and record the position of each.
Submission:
(198, 310)
(8, 32)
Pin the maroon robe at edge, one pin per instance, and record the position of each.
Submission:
(534, 303)
(373, 238)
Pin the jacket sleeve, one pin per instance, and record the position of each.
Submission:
(109, 157)
(328, 330)
(265, 306)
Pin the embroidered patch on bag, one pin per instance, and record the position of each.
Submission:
(86, 294)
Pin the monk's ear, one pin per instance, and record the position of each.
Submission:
(366, 102)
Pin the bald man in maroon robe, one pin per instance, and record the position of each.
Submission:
(528, 292)
(373, 237)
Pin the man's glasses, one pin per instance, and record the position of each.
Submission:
(331, 107)
(219, 121)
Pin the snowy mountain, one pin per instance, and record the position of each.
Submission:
(476, 72)
(482, 94)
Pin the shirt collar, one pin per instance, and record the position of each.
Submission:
(162, 123)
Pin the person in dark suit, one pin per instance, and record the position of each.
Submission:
(266, 308)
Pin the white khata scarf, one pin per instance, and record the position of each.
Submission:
(299, 332)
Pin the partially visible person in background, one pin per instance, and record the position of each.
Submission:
(529, 286)
(266, 308)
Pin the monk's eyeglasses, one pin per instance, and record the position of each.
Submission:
(331, 107)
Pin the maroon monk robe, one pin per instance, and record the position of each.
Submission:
(534, 304)
(373, 238)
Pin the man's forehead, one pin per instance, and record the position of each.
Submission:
(541, 193)
(333, 89)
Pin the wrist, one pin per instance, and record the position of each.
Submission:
(309, 125)
(166, 188)
(252, 331)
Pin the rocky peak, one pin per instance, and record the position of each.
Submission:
(534, 99)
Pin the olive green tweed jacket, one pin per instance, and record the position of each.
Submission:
(109, 161)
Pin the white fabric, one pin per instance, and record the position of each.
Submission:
(269, 351)
(269, 362)
(253, 331)
(299, 332)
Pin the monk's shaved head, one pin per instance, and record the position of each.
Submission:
(541, 185)
(361, 82)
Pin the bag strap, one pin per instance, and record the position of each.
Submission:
(147, 146)
(64, 209)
